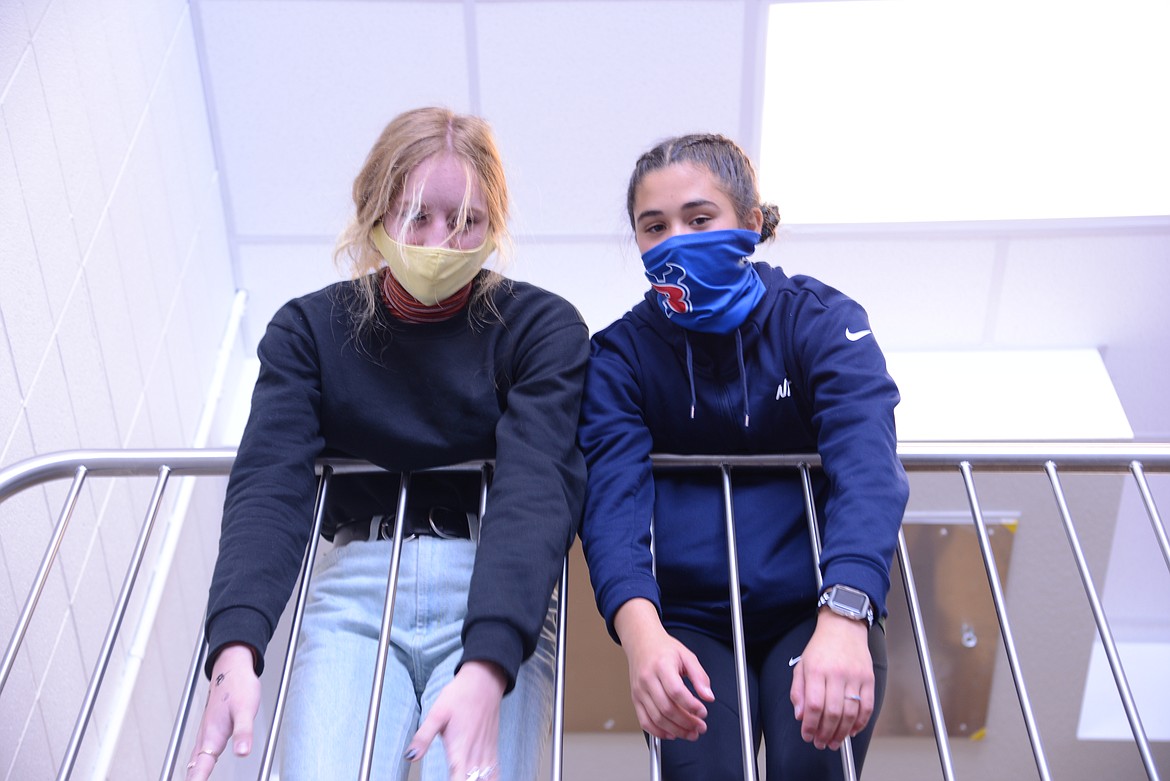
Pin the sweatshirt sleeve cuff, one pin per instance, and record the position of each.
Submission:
(492, 641)
(613, 599)
(237, 625)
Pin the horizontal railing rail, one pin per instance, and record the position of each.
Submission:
(964, 458)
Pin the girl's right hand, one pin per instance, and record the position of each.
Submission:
(232, 703)
(658, 663)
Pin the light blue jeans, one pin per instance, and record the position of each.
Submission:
(329, 693)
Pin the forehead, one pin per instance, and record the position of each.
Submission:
(444, 177)
(678, 184)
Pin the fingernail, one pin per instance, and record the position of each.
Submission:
(242, 749)
(411, 754)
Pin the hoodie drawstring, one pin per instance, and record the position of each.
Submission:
(742, 375)
(690, 371)
(742, 378)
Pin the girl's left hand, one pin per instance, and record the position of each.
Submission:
(467, 714)
(833, 683)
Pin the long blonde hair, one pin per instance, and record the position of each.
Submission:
(410, 138)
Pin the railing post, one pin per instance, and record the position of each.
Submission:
(34, 596)
(95, 681)
(848, 766)
(384, 635)
(746, 743)
(938, 721)
(1135, 721)
(1005, 628)
(194, 670)
(1151, 509)
(298, 618)
(558, 726)
(655, 743)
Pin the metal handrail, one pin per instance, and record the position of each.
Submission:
(1136, 458)
(1116, 457)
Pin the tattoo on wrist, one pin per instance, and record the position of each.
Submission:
(219, 679)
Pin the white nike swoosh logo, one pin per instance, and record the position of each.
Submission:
(792, 662)
(853, 337)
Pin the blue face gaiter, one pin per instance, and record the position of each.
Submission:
(704, 280)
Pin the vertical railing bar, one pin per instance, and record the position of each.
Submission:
(558, 727)
(297, 618)
(655, 742)
(1151, 509)
(384, 635)
(1005, 628)
(194, 670)
(747, 742)
(1103, 630)
(848, 766)
(474, 529)
(810, 514)
(938, 720)
(42, 576)
(95, 681)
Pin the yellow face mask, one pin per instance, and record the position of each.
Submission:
(431, 274)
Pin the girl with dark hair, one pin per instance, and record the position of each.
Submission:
(727, 356)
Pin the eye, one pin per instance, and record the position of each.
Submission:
(468, 225)
(656, 227)
(700, 221)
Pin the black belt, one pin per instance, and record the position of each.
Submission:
(445, 522)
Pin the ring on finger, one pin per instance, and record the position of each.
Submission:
(207, 751)
(854, 697)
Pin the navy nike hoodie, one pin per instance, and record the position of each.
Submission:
(803, 374)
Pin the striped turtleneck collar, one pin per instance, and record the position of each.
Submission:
(409, 309)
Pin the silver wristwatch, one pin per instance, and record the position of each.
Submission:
(848, 602)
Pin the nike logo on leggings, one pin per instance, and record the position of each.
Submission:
(792, 662)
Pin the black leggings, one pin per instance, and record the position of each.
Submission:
(717, 755)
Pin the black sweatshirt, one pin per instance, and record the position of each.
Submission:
(408, 397)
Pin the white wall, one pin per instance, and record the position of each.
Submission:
(115, 289)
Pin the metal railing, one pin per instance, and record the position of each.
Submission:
(962, 458)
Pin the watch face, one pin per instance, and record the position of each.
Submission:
(854, 601)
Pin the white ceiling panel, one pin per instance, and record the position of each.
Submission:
(1106, 291)
(925, 293)
(578, 90)
(1086, 290)
(301, 90)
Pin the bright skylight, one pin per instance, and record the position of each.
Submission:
(929, 110)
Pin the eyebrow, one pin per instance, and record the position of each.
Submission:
(700, 202)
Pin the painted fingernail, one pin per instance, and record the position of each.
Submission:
(411, 754)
